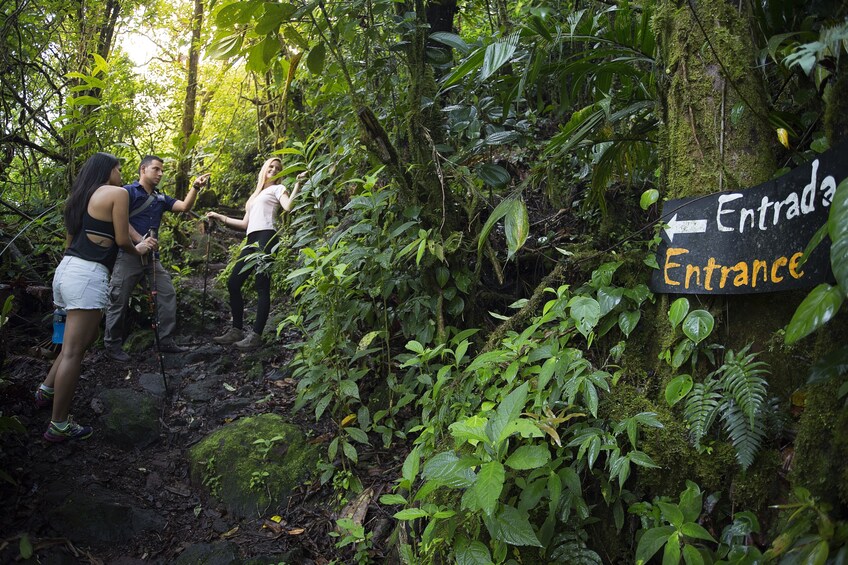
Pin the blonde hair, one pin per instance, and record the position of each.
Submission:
(260, 182)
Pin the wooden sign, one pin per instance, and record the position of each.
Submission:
(751, 240)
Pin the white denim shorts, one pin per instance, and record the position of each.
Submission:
(79, 284)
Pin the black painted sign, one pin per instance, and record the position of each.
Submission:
(751, 240)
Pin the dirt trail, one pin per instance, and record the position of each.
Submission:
(153, 481)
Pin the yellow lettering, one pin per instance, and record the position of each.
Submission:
(778, 263)
(742, 278)
(671, 252)
(708, 273)
(759, 266)
(743, 274)
(690, 269)
(724, 272)
(793, 265)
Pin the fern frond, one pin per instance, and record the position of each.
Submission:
(702, 407)
(744, 380)
(746, 438)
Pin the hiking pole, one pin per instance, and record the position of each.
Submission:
(154, 311)
(209, 226)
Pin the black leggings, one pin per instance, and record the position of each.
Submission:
(255, 241)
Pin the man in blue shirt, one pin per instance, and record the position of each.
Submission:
(147, 205)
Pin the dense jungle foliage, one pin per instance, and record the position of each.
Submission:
(467, 265)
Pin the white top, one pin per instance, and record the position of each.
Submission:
(264, 208)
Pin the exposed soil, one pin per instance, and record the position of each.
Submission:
(156, 478)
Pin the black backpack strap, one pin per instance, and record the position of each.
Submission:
(144, 206)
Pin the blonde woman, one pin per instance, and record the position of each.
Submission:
(258, 221)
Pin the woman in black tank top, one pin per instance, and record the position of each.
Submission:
(97, 221)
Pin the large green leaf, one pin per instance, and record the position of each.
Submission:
(236, 13)
(672, 513)
(678, 310)
(648, 198)
(837, 221)
(472, 552)
(698, 325)
(839, 262)
(508, 410)
(315, 59)
(528, 457)
(627, 321)
(473, 428)
(451, 40)
(815, 311)
(691, 556)
(671, 553)
(224, 45)
(493, 175)
(501, 137)
(274, 15)
(602, 276)
(837, 227)
(609, 298)
(499, 212)
(447, 468)
(472, 62)
(488, 487)
(682, 352)
(84, 101)
(585, 312)
(512, 526)
(651, 542)
(516, 226)
(693, 530)
(678, 388)
(497, 55)
(411, 514)
(691, 502)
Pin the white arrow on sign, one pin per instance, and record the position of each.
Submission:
(684, 226)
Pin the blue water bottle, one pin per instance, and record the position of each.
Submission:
(59, 316)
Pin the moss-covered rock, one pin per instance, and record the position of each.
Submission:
(252, 464)
(130, 419)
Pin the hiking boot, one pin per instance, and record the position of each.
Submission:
(233, 335)
(43, 399)
(168, 345)
(115, 353)
(251, 341)
(71, 431)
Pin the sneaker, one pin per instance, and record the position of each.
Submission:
(115, 353)
(233, 335)
(251, 341)
(72, 431)
(43, 399)
(168, 345)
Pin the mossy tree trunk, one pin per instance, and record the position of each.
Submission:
(708, 73)
(708, 69)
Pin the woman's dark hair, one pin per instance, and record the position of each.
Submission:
(93, 174)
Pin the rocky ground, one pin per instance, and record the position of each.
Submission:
(126, 496)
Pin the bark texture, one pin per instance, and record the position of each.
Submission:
(189, 106)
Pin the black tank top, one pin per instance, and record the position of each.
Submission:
(84, 248)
